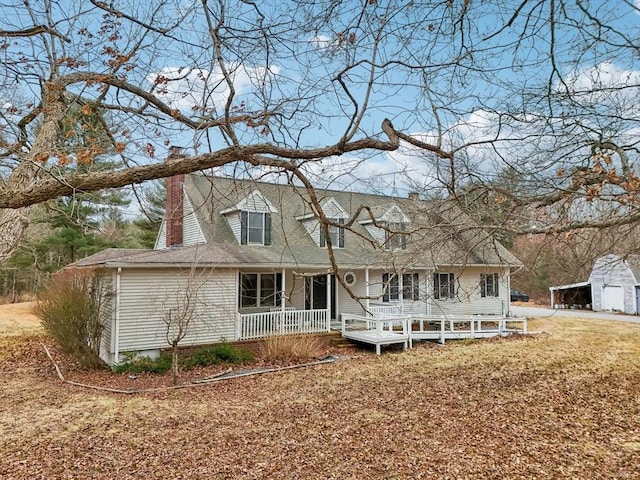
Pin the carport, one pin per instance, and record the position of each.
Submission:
(575, 295)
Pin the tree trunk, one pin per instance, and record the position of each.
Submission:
(174, 362)
(13, 223)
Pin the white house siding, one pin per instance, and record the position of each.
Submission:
(107, 340)
(332, 209)
(255, 202)
(410, 306)
(147, 294)
(612, 271)
(378, 234)
(312, 226)
(346, 304)
(161, 239)
(233, 219)
(191, 231)
(469, 300)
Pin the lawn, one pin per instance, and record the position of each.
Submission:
(561, 404)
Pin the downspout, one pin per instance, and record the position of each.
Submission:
(116, 327)
(366, 284)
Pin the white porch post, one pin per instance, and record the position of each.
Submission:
(328, 302)
(283, 301)
(366, 285)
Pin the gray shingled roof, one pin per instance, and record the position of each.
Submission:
(442, 235)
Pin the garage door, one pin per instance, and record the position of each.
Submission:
(613, 298)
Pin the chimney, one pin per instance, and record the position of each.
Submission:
(414, 196)
(175, 202)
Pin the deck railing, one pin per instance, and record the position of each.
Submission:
(466, 326)
(384, 310)
(282, 322)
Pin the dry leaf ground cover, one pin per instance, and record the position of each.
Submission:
(563, 404)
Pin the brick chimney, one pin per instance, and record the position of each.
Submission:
(175, 202)
(415, 196)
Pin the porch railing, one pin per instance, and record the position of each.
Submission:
(288, 322)
(377, 311)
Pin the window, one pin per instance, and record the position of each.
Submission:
(410, 287)
(395, 238)
(336, 234)
(255, 228)
(390, 284)
(260, 289)
(444, 286)
(489, 285)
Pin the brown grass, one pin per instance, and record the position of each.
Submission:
(563, 404)
(290, 348)
(18, 319)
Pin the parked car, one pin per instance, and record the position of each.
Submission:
(517, 296)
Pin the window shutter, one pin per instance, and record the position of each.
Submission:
(402, 240)
(416, 287)
(279, 291)
(267, 229)
(385, 287)
(323, 239)
(496, 292)
(244, 227)
(341, 233)
(483, 285)
(436, 286)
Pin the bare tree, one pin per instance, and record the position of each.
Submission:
(179, 308)
(452, 93)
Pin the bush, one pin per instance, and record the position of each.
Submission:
(135, 364)
(290, 348)
(222, 353)
(72, 309)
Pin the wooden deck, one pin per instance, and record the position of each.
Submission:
(377, 331)
(394, 329)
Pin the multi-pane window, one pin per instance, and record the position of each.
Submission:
(260, 289)
(336, 234)
(255, 228)
(444, 286)
(393, 284)
(489, 285)
(395, 236)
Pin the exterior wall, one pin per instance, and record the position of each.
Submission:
(378, 234)
(146, 295)
(255, 202)
(108, 340)
(192, 233)
(469, 300)
(332, 209)
(376, 288)
(611, 270)
(312, 226)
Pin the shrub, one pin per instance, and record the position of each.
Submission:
(140, 364)
(290, 348)
(222, 353)
(72, 309)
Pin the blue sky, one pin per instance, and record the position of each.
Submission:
(460, 62)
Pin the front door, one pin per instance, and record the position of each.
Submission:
(315, 293)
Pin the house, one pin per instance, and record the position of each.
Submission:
(613, 285)
(255, 258)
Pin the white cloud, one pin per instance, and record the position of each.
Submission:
(199, 90)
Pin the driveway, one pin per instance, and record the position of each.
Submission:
(527, 311)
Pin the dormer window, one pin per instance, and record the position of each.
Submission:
(255, 228)
(336, 234)
(395, 236)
